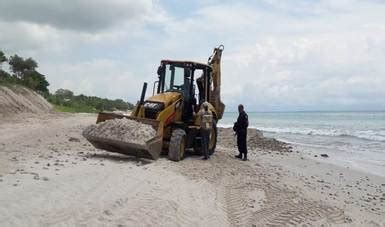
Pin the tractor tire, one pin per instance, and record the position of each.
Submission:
(177, 147)
(213, 138)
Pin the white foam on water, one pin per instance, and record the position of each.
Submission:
(373, 164)
(360, 134)
(354, 139)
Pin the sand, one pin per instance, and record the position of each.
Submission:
(18, 100)
(121, 130)
(50, 175)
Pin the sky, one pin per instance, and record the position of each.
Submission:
(299, 55)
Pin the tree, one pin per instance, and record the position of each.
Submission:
(3, 58)
(64, 93)
(120, 104)
(21, 67)
(4, 75)
(36, 81)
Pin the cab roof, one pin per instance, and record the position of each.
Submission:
(196, 65)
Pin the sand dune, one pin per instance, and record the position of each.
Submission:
(15, 99)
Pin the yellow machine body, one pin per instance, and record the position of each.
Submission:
(166, 111)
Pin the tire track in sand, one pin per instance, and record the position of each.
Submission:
(235, 180)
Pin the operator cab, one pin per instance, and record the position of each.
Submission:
(179, 76)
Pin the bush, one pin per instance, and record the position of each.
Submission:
(65, 100)
(4, 75)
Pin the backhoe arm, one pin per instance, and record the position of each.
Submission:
(215, 95)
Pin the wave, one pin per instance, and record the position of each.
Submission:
(371, 135)
(225, 125)
(359, 134)
(364, 136)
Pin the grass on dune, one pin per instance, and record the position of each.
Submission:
(75, 109)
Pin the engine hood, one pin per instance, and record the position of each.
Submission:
(166, 98)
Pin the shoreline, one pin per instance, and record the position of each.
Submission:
(338, 157)
(360, 194)
(45, 159)
(312, 152)
(342, 160)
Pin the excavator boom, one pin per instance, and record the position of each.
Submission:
(215, 95)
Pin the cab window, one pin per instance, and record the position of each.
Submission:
(174, 78)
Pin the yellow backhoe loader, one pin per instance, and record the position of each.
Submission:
(177, 96)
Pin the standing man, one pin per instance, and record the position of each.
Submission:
(240, 128)
(205, 129)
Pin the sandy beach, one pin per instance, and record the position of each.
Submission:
(164, 85)
(50, 175)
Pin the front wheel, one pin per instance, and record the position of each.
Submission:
(177, 147)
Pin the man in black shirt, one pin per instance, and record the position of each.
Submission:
(240, 128)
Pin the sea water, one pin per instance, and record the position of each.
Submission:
(351, 139)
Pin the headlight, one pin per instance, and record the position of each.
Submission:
(156, 106)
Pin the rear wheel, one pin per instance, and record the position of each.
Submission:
(177, 145)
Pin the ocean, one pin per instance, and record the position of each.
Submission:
(351, 139)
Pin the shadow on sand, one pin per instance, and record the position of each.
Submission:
(115, 157)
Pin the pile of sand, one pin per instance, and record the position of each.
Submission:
(255, 140)
(18, 99)
(122, 130)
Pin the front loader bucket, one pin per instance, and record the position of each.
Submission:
(151, 149)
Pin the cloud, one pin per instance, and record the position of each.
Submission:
(99, 77)
(45, 37)
(326, 71)
(311, 55)
(82, 15)
(279, 55)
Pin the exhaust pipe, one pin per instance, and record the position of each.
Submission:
(144, 89)
(141, 101)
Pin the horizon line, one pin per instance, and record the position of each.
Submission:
(310, 111)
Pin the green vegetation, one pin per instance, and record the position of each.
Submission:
(23, 72)
(71, 109)
(65, 100)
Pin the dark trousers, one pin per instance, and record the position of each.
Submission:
(205, 142)
(241, 142)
